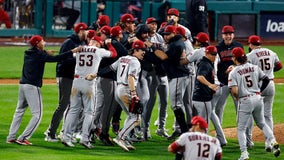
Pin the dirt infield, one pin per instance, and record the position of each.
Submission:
(258, 136)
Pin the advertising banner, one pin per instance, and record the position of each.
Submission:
(272, 25)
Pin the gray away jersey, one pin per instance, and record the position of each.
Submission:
(246, 77)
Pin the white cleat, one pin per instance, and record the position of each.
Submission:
(244, 156)
(121, 144)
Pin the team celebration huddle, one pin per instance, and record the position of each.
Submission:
(104, 70)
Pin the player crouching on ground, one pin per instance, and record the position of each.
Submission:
(196, 144)
(243, 82)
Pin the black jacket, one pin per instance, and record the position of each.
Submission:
(172, 64)
(202, 92)
(225, 54)
(34, 62)
(66, 68)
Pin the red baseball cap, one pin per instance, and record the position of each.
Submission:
(150, 20)
(211, 50)
(173, 11)
(138, 45)
(1, 1)
(197, 120)
(169, 29)
(163, 24)
(91, 33)
(80, 26)
(254, 39)
(228, 29)
(238, 52)
(202, 37)
(103, 20)
(181, 31)
(105, 30)
(127, 18)
(34, 40)
(115, 31)
(98, 39)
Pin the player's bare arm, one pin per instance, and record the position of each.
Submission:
(204, 81)
(235, 92)
(91, 76)
(160, 54)
(51, 52)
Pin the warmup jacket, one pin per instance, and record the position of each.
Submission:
(66, 68)
(34, 61)
(172, 64)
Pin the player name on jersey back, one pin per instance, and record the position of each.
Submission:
(202, 138)
(246, 70)
(85, 49)
(262, 53)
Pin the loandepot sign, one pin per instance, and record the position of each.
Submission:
(272, 25)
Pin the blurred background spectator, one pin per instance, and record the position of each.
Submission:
(64, 9)
(4, 17)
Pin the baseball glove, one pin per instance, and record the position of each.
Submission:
(135, 106)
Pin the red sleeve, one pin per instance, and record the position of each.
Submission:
(174, 147)
(277, 66)
(112, 50)
(218, 156)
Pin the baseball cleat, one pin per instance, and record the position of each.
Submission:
(68, 144)
(87, 145)
(162, 133)
(121, 144)
(268, 149)
(276, 150)
(128, 145)
(50, 139)
(11, 141)
(244, 156)
(24, 142)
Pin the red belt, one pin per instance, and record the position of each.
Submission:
(77, 76)
(256, 93)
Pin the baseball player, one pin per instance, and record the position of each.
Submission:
(204, 87)
(82, 94)
(177, 74)
(224, 60)
(29, 88)
(128, 69)
(269, 62)
(173, 15)
(128, 31)
(243, 82)
(103, 20)
(106, 86)
(196, 144)
(202, 41)
(160, 80)
(64, 78)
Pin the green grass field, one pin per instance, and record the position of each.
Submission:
(156, 148)
(11, 60)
